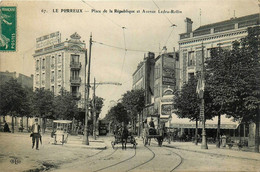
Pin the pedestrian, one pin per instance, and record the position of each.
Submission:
(6, 127)
(151, 123)
(36, 136)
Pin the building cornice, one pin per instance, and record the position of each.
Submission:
(212, 36)
(59, 47)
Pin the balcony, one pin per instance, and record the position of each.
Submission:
(76, 95)
(75, 81)
(75, 65)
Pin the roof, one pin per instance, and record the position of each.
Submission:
(226, 123)
(227, 22)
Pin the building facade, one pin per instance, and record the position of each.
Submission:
(61, 65)
(166, 82)
(25, 81)
(143, 78)
(220, 34)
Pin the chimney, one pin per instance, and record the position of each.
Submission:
(164, 49)
(188, 25)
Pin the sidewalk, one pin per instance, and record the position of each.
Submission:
(212, 149)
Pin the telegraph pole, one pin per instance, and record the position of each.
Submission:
(94, 110)
(85, 138)
(202, 108)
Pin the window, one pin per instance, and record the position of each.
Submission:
(74, 74)
(52, 89)
(59, 58)
(43, 63)
(52, 60)
(37, 64)
(59, 73)
(190, 75)
(52, 76)
(74, 58)
(191, 60)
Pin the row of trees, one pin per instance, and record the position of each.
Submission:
(232, 85)
(128, 108)
(17, 101)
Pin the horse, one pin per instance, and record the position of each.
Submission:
(124, 135)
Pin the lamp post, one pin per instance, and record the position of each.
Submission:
(200, 87)
(169, 135)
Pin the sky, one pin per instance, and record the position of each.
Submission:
(136, 31)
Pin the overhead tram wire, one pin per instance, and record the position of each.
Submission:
(124, 54)
(120, 48)
(163, 13)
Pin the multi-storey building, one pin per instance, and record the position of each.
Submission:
(143, 78)
(220, 34)
(24, 80)
(61, 65)
(166, 81)
(206, 37)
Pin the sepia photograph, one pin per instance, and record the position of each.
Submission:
(120, 86)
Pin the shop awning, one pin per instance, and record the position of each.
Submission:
(225, 123)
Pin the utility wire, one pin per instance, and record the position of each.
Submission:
(102, 14)
(112, 46)
(124, 54)
(163, 13)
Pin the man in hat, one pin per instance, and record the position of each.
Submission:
(36, 134)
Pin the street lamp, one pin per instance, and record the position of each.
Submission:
(200, 91)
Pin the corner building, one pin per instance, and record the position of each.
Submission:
(61, 65)
(220, 34)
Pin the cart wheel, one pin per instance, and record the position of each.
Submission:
(113, 144)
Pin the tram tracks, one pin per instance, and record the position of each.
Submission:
(145, 161)
(115, 164)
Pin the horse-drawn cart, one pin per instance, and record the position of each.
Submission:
(118, 140)
(123, 136)
(158, 134)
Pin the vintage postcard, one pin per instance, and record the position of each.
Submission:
(90, 85)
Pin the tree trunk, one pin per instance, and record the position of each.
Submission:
(196, 132)
(21, 124)
(27, 123)
(257, 130)
(218, 132)
(12, 123)
(73, 126)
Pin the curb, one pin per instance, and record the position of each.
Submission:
(169, 146)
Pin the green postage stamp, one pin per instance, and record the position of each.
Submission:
(7, 28)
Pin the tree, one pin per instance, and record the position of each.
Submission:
(117, 114)
(43, 105)
(99, 104)
(218, 83)
(187, 104)
(235, 79)
(133, 101)
(13, 99)
(65, 106)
